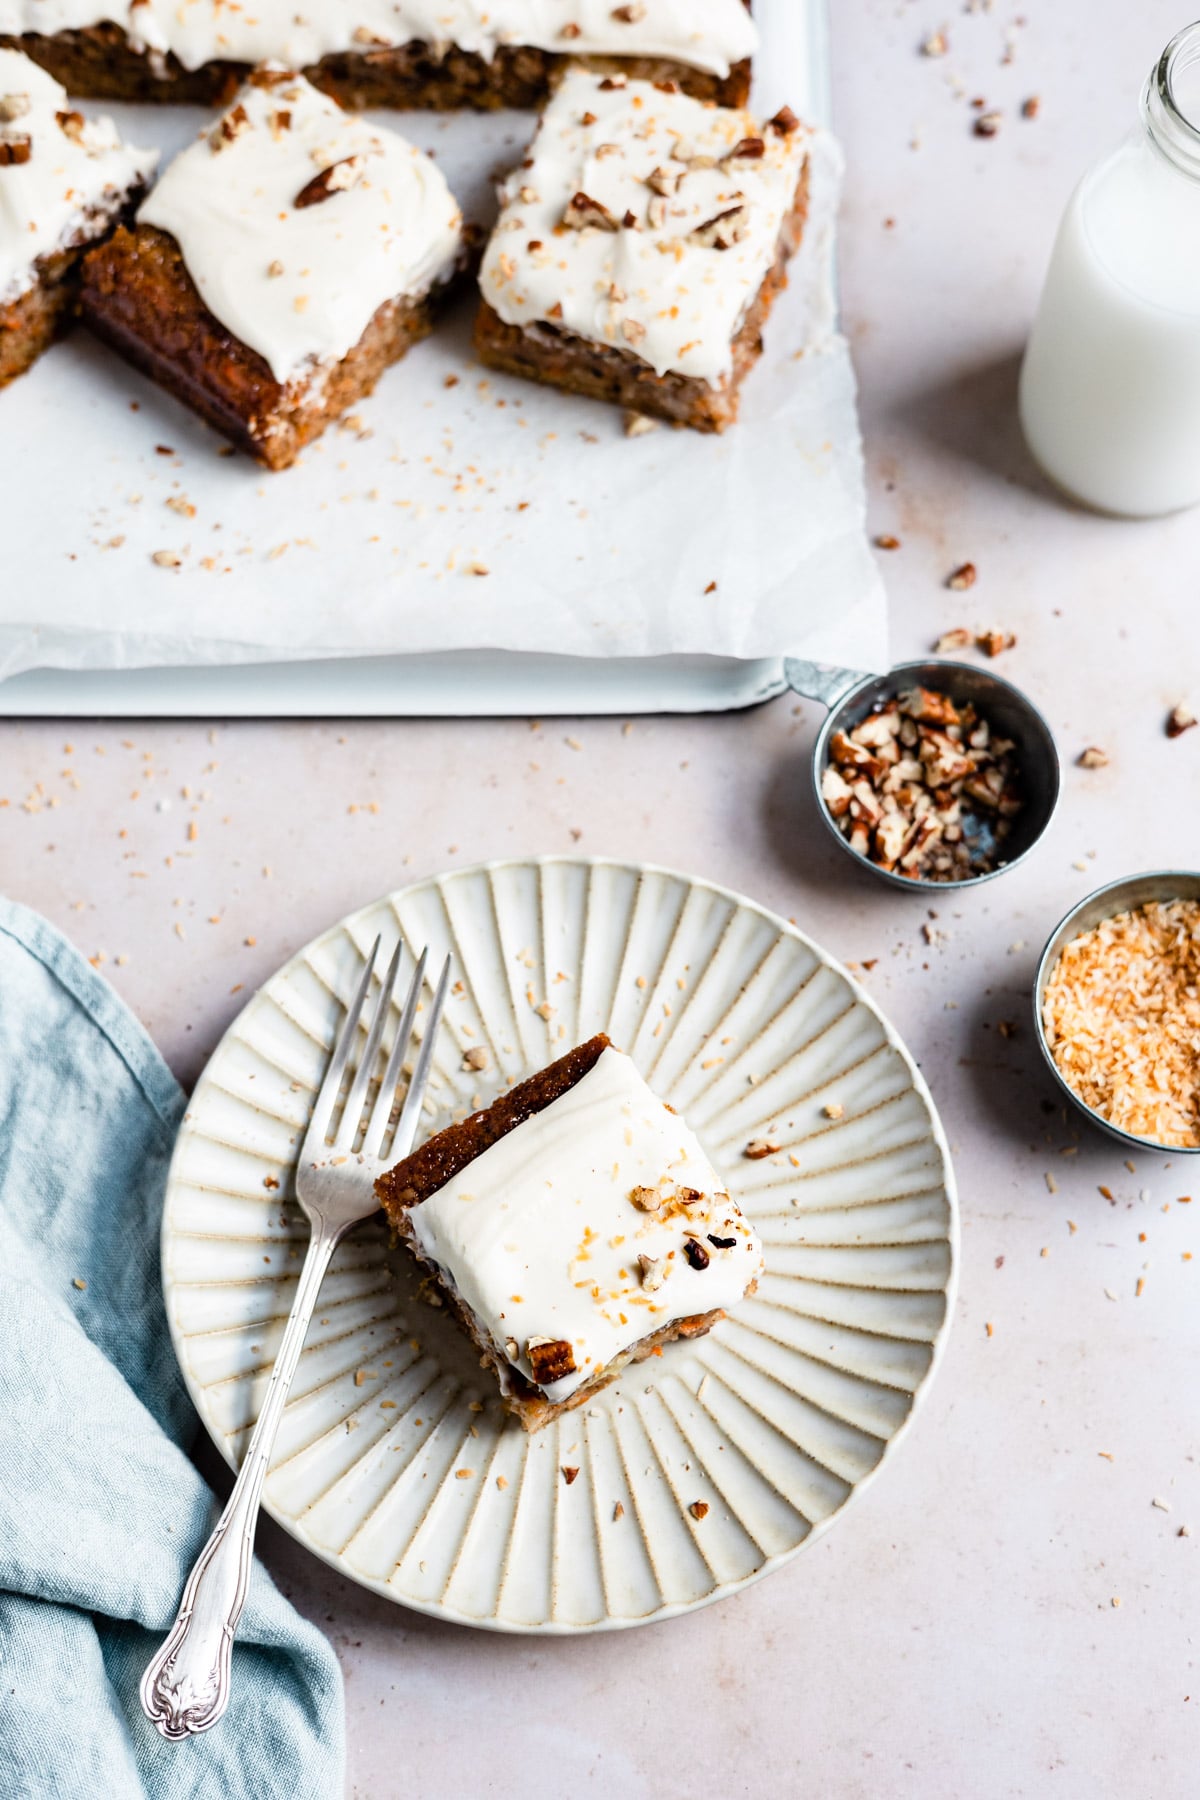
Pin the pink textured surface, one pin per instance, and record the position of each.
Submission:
(956, 1636)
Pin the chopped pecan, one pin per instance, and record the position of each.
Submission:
(696, 1254)
(994, 641)
(651, 1272)
(228, 129)
(584, 213)
(1181, 719)
(963, 577)
(551, 1359)
(928, 707)
(335, 179)
(15, 151)
(758, 1148)
(724, 231)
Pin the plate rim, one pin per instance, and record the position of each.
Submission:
(818, 1529)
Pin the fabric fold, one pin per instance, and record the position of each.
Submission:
(101, 1511)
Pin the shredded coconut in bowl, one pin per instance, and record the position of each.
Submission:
(1122, 1018)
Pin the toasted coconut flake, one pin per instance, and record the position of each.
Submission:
(1122, 1018)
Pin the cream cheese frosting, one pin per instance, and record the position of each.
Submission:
(643, 220)
(705, 34)
(297, 221)
(576, 1227)
(62, 177)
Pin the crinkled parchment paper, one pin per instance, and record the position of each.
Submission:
(594, 544)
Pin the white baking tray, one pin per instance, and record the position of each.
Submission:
(464, 682)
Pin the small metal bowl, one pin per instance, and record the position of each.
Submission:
(850, 696)
(1121, 896)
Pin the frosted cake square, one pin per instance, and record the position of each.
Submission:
(65, 182)
(282, 262)
(640, 247)
(426, 53)
(574, 1226)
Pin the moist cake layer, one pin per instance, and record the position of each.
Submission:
(584, 1230)
(710, 35)
(644, 221)
(64, 179)
(297, 222)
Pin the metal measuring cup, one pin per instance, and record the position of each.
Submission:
(1125, 895)
(851, 695)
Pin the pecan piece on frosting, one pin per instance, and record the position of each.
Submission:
(784, 122)
(724, 231)
(550, 1359)
(230, 128)
(332, 180)
(15, 150)
(582, 212)
(750, 149)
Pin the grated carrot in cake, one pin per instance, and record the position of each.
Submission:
(1122, 1018)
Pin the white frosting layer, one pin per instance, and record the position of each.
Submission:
(76, 175)
(540, 1238)
(647, 278)
(300, 284)
(705, 34)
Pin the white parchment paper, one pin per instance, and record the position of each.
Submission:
(594, 544)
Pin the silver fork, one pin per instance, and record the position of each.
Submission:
(186, 1687)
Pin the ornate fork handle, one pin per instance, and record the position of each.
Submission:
(186, 1687)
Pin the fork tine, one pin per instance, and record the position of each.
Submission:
(319, 1123)
(410, 1117)
(386, 1097)
(352, 1112)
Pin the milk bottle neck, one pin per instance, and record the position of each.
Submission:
(1171, 104)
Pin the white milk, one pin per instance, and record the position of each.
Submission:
(1110, 386)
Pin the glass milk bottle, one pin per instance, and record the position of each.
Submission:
(1110, 385)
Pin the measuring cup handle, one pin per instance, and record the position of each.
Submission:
(821, 681)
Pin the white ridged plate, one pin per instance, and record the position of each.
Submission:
(774, 1420)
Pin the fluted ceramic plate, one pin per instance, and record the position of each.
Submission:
(395, 1462)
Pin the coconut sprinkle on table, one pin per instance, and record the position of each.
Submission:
(1122, 1018)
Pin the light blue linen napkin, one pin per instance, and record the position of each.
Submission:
(101, 1513)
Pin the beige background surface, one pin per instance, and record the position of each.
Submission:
(958, 1634)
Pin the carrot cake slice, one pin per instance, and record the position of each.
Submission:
(282, 262)
(574, 1226)
(439, 53)
(65, 181)
(640, 246)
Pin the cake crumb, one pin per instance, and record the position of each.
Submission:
(618, 1512)
(699, 1509)
(569, 1474)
